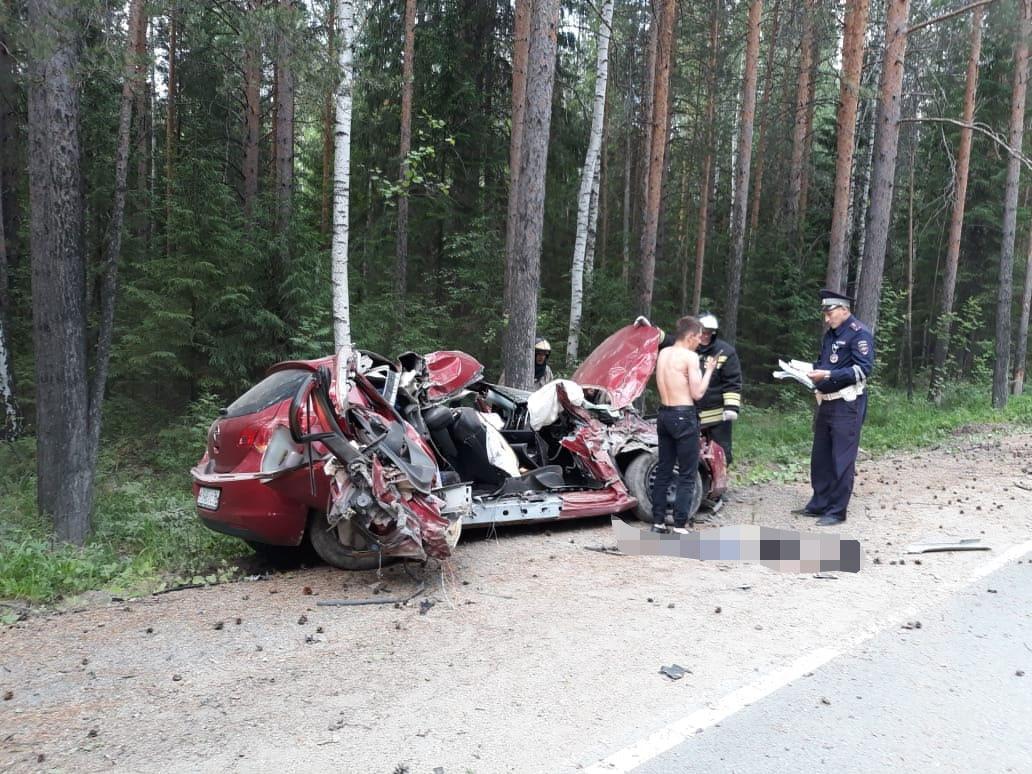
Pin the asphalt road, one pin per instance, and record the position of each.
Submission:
(946, 696)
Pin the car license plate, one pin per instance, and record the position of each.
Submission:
(208, 498)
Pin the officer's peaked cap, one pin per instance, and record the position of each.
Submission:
(832, 298)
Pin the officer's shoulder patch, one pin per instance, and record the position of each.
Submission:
(863, 347)
(856, 326)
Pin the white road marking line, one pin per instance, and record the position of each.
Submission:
(666, 738)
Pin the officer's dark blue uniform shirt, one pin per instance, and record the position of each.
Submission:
(848, 353)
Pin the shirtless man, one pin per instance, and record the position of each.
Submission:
(677, 424)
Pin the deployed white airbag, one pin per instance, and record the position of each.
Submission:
(499, 452)
(543, 406)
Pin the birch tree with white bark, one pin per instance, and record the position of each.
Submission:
(589, 176)
(345, 17)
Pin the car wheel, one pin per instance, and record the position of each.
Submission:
(640, 476)
(342, 546)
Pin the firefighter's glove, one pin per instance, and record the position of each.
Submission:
(730, 416)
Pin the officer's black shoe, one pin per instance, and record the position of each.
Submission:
(804, 512)
(830, 521)
(661, 529)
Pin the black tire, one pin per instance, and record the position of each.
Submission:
(342, 547)
(639, 477)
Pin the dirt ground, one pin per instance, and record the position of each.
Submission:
(525, 652)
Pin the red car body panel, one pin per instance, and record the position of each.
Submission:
(450, 372)
(622, 364)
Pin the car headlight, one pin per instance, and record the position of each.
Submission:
(281, 452)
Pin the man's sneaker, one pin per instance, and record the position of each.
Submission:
(681, 530)
(661, 529)
(804, 512)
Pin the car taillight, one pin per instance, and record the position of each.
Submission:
(280, 452)
(258, 437)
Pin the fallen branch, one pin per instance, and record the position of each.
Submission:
(980, 128)
(949, 15)
(371, 601)
(611, 550)
(183, 587)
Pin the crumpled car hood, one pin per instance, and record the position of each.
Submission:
(622, 364)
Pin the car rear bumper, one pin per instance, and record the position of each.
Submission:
(252, 507)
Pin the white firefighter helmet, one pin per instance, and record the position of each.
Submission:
(709, 322)
(542, 345)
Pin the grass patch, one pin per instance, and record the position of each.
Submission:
(774, 444)
(145, 531)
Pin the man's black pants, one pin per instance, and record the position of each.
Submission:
(678, 431)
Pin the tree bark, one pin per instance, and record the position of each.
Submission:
(803, 109)
(345, 16)
(407, 81)
(949, 284)
(845, 141)
(252, 112)
(625, 271)
(665, 22)
(1021, 354)
(11, 163)
(883, 171)
(520, 52)
(525, 272)
(10, 421)
(907, 356)
(761, 142)
(64, 485)
(328, 124)
(741, 195)
(589, 177)
(1010, 210)
(134, 75)
(284, 95)
(707, 161)
(171, 128)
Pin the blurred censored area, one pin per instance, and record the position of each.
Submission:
(782, 550)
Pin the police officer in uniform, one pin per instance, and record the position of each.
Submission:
(840, 379)
(720, 405)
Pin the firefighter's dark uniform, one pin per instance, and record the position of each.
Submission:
(723, 394)
(848, 353)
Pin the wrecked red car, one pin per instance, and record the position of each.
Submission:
(366, 458)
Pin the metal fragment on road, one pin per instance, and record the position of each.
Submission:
(964, 544)
(674, 671)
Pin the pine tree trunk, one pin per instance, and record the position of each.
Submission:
(142, 145)
(803, 108)
(133, 78)
(525, 273)
(744, 159)
(12, 164)
(284, 96)
(625, 271)
(407, 80)
(1001, 366)
(949, 283)
(345, 16)
(648, 92)
(907, 356)
(520, 52)
(883, 171)
(1021, 353)
(761, 142)
(589, 176)
(171, 128)
(658, 135)
(845, 141)
(706, 183)
(252, 113)
(328, 125)
(64, 483)
(804, 181)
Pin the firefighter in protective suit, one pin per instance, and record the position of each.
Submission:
(542, 371)
(719, 407)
